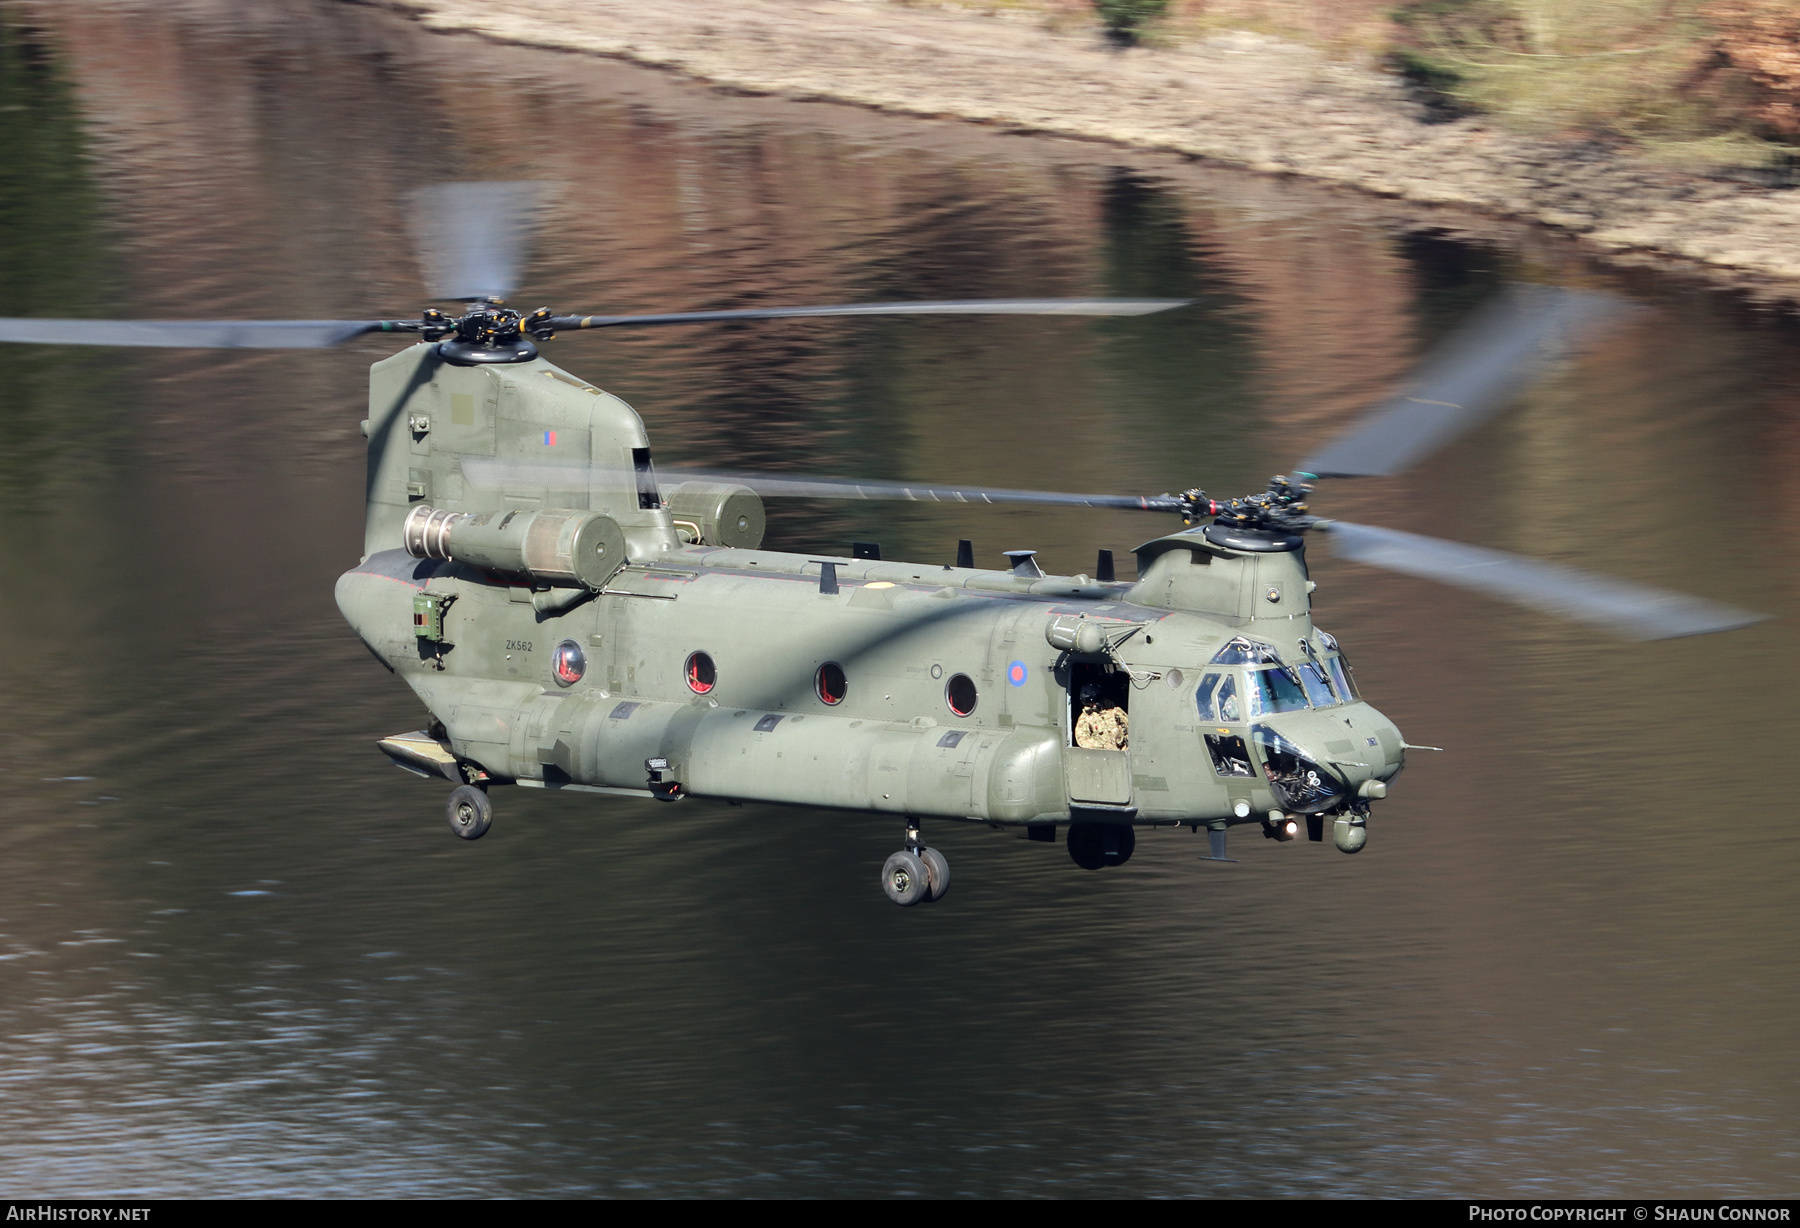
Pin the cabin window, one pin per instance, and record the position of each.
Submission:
(568, 663)
(831, 684)
(960, 694)
(702, 676)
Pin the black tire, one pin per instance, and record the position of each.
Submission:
(1126, 846)
(905, 879)
(937, 873)
(1086, 845)
(470, 812)
(1094, 845)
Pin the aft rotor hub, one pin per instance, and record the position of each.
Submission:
(487, 333)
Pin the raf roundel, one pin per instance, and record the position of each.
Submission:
(1016, 673)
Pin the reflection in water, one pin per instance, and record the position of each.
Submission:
(54, 402)
(238, 953)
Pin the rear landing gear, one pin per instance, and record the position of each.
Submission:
(915, 874)
(470, 812)
(1093, 845)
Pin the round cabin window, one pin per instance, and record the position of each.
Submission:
(960, 694)
(568, 663)
(701, 675)
(831, 683)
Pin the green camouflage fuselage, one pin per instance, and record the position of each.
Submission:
(899, 631)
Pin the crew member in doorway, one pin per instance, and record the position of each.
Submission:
(1100, 728)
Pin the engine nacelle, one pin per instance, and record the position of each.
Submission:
(717, 514)
(549, 547)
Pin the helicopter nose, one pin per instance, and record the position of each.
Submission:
(1304, 780)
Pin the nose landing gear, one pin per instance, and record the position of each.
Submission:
(915, 874)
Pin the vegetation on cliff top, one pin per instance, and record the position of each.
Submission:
(1704, 81)
(1695, 82)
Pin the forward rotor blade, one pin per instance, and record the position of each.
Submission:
(963, 307)
(1474, 373)
(488, 473)
(194, 334)
(1634, 611)
(472, 237)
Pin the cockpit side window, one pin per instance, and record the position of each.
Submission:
(1275, 690)
(1217, 698)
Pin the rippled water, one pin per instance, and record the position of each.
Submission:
(241, 954)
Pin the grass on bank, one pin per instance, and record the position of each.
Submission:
(1663, 74)
(1694, 84)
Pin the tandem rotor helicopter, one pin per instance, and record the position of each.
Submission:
(574, 622)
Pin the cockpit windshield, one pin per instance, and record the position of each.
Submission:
(1269, 687)
(1276, 690)
(1318, 688)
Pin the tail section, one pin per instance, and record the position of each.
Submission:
(561, 444)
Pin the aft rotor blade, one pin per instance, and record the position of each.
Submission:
(963, 307)
(1635, 611)
(1482, 366)
(472, 237)
(488, 473)
(193, 334)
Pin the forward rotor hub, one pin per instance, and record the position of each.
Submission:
(1280, 509)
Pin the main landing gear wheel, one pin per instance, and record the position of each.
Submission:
(905, 879)
(937, 872)
(1093, 845)
(916, 874)
(470, 812)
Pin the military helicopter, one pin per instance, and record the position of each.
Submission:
(573, 621)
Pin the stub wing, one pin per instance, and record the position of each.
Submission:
(423, 755)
